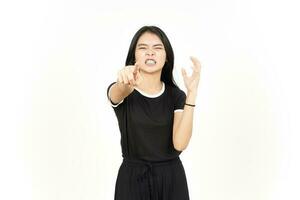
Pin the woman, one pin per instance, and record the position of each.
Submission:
(155, 119)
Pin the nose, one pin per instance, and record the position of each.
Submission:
(149, 52)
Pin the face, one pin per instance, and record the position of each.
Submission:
(150, 53)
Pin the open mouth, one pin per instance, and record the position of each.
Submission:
(150, 62)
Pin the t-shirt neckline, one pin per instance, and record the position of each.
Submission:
(152, 95)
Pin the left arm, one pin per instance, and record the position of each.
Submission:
(183, 121)
(183, 124)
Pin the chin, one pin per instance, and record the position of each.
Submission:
(151, 69)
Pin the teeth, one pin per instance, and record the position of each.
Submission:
(151, 62)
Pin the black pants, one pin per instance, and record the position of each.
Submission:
(141, 180)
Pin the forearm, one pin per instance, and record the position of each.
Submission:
(119, 91)
(185, 127)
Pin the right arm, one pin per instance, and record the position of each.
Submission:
(128, 77)
(118, 91)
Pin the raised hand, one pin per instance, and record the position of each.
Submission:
(130, 75)
(137, 75)
(192, 82)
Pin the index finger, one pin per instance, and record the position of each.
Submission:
(196, 62)
(137, 67)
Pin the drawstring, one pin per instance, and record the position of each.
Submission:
(145, 178)
(147, 174)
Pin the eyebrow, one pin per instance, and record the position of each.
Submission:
(142, 44)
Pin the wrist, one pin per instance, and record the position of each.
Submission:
(190, 105)
(192, 92)
(123, 87)
(191, 98)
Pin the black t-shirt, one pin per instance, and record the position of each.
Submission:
(146, 123)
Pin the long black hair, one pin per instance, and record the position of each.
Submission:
(167, 70)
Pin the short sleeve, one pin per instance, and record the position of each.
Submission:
(179, 98)
(108, 96)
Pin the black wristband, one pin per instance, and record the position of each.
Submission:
(189, 104)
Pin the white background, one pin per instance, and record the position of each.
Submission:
(59, 137)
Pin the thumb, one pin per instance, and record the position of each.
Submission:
(183, 72)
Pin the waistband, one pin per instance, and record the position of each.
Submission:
(139, 162)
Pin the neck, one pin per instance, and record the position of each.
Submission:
(151, 82)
